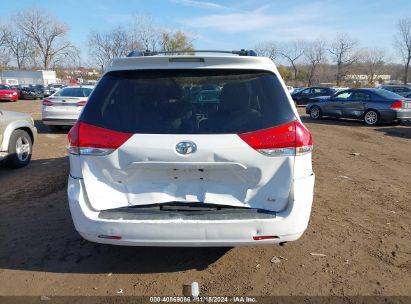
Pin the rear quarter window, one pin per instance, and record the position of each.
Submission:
(188, 102)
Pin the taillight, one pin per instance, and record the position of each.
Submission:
(47, 102)
(396, 105)
(264, 237)
(85, 139)
(286, 140)
(81, 103)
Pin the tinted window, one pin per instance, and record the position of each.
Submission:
(389, 88)
(4, 87)
(306, 92)
(361, 96)
(74, 92)
(387, 94)
(171, 101)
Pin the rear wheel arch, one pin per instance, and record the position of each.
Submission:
(28, 131)
(10, 128)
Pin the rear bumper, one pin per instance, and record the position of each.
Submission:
(59, 122)
(59, 117)
(287, 225)
(403, 114)
(391, 115)
(9, 98)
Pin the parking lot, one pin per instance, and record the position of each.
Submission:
(358, 240)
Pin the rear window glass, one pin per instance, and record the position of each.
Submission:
(74, 92)
(188, 102)
(387, 94)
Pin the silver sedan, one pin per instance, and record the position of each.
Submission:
(64, 107)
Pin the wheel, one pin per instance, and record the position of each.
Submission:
(315, 112)
(20, 149)
(371, 117)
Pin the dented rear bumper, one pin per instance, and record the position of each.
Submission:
(120, 228)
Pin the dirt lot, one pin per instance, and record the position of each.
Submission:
(361, 221)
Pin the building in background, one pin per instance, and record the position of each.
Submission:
(28, 77)
(364, 79)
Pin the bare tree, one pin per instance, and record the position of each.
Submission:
(343, 52)
(292, 52)
(315, 54)
(372, 61)
(143, 32)
(5, 59)
(403, 43)
(47, 34)
(268, 49)
(68, 59)
(18, 45)
(104, 46)
(2, 35)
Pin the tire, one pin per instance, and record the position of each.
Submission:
(315, 112)
(20, 149)
(372, 118)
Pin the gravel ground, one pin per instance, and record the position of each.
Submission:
(361, 222)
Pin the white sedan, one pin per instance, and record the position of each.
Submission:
(64, 107)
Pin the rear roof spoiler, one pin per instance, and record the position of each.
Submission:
(139, 53)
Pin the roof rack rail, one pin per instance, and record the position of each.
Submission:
(139, 53)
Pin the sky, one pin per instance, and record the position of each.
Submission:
(232, 24)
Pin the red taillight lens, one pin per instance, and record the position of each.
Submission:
(109, 237)
(303, 139)
(285, 140)
(47, 102)
(264, 237)
(73, 145)
(87, 139)
(81, 103)
(396, 105)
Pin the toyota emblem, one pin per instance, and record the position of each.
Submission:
(186, 147)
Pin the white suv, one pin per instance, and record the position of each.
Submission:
(152, 164)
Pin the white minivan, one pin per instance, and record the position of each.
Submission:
(151, 164)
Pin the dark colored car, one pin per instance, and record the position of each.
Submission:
(30, 92)
(208, 96)
(45, 90)
(20, 87)
(17, 89)
(55, 87)
(303, 96)
(371, 105)
(402, 90)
